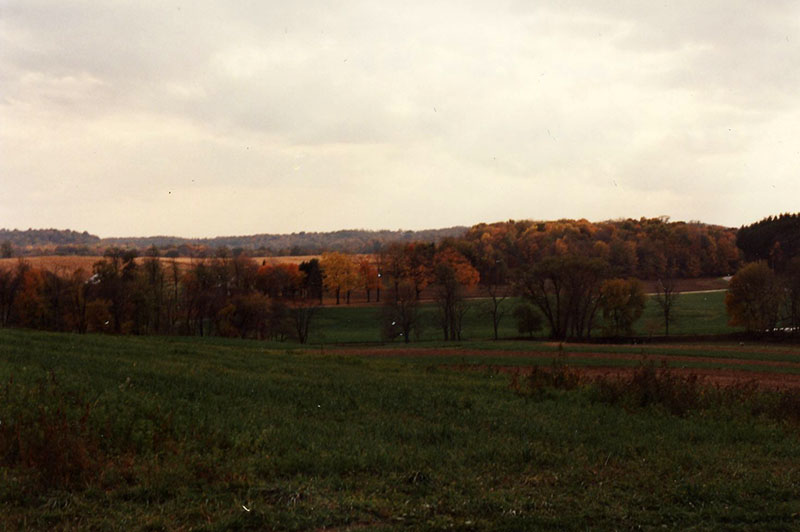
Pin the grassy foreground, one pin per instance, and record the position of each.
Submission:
(121, 433)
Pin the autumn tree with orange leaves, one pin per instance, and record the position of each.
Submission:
(419, 265)
(279, 280)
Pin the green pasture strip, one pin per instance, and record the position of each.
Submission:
(695, 314)
(211, 434)
(343, 323)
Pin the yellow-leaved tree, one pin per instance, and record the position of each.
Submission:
(339, 274)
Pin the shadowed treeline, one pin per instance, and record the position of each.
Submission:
(577, 279)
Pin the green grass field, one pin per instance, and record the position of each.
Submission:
(695, 314)
(125, 433)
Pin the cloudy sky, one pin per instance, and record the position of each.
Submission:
(201, 118)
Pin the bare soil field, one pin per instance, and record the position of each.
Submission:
(714, 377)
(734, 365)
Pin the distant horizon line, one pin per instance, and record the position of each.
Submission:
(666, 218)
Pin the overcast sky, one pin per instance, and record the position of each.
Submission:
(203, 118)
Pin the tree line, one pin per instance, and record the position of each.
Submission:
(774, 240)
(220, 295)
(235, 296)
(764, 295)
(575, 278)
(65, 242)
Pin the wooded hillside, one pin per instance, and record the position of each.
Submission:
(775, 239)
(66, 242)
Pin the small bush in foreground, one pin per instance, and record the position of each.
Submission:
(648, 386)
(539, 379)
(46, 430)
(61, 440)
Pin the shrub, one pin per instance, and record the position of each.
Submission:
(46, 430)
(754, 297)
(528, 319)
(539, 379)
(649, 386)
(60, 440)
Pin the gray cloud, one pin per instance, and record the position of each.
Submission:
(444, 112)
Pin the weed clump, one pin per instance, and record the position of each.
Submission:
(788, 406)
(648, 386)
(651, 386)
(59, 439)
(46, 430)
(536, 381)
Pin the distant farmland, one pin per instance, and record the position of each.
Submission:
(73, 263)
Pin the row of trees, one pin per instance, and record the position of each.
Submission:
(222, 295)
(764, 295)
(234, 296)
(634, 248)
(574, 272)
(575, 276)
(65, 242)
(648, 248)
(571, 292)
(229, 295)
(774, 240)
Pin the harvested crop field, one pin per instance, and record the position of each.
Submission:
(768, 367)
(71, 263)
(53, 263)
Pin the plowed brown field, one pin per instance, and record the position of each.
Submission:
(770, 367)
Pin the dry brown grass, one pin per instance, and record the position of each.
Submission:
(61, 264)
(58, 263)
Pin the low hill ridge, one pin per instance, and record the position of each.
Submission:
(69, 242)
